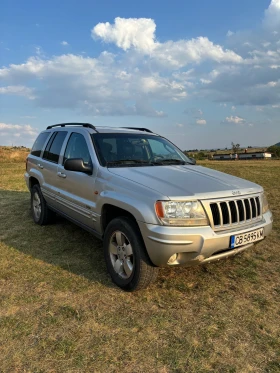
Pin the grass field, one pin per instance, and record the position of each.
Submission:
(59, 311)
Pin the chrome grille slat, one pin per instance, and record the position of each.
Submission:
(258, 206)
(235, 212)
(254, 207)
(221, 215)
(229, 213)
(250, 206)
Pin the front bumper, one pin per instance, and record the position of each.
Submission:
(195, 245)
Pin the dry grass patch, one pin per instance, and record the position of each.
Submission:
(59, 311)
(10, 154)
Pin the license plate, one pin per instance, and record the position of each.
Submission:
(245, 238)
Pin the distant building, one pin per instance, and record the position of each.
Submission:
(241, 156)
(255, 155)
(225, 157)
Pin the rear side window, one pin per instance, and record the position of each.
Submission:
(54, 146)
(39, 143)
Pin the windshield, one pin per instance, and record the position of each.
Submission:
(135, 150)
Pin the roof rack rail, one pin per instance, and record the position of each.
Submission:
(139, 129)
(88, 125)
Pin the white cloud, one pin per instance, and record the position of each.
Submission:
(272, 84)
(99, 86)
(128, 32)
(201, 121)
(139, 33)
(39, 51)
(266, 44)
(17, 134)
(183, 52)
(205, 81)
(194, 112)
(18, 90)
(179, 125)
(233, 108)
(272, 15)
(230, 33)
(64, 43)
(235, 119)
(145, 71)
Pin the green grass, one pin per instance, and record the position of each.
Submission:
(59, 311)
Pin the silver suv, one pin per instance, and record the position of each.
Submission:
(148, 202)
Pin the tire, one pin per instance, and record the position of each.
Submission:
(125, 255)
(41, 214)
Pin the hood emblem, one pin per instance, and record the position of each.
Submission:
(236, 192)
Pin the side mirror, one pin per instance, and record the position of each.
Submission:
(192, 160)
(77, 164)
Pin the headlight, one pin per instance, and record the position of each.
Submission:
(181, 213)
(265, 206)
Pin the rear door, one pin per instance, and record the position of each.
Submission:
(48, 165)
(76, 189)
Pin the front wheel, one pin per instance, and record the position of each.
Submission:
(125, 254)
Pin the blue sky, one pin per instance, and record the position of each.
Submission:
(202, 73)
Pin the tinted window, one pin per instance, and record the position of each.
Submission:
(53, 149)
(77, 148)
(39, 143)
(137, 148)
(47, 148)
(159, 148)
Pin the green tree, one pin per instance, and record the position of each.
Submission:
(235, 147)
(274, 149)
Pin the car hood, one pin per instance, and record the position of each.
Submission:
(187, 181)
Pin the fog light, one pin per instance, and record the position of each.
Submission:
(172, 259)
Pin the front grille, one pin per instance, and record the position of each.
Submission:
(235, 212)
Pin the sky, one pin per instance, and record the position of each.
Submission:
(201, 73)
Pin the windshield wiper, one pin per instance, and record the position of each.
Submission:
(129, 161)
(171, 160)
(138, 162)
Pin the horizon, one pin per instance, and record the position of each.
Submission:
(200, 74)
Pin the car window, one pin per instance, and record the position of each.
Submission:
(47, 148)
(54, 146)
(148, 149)
(39, 143)
(158, 148)
(163, 150)
(77, 148)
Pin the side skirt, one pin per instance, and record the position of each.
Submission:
(81, 225)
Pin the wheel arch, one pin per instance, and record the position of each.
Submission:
(33, 181)
(110, 212)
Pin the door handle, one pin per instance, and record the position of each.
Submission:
(40, 166)
(60, 174)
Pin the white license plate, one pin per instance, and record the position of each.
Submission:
(245, 238)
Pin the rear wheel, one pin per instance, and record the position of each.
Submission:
(125, 254)
(40, 212)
